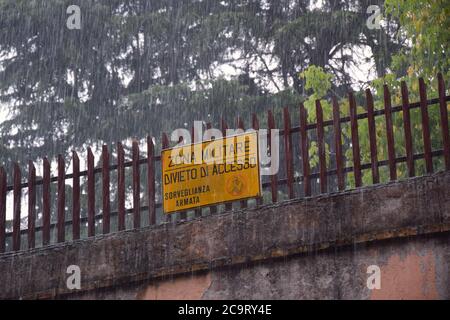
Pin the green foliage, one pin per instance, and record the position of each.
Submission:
(319, 83)
(427, 25)
(317, 80)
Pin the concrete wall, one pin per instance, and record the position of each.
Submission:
(315, 248)
(417, 269)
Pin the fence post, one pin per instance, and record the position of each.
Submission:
(304, 150)
(165, 145)
(273, 177)
(212, 209)
(425, 126)
(444, 121)
(407, 128)
(46, 203)
(120, 187)
(91, 193)
(61, 201)
(195, 138)
(240, 125)
(31, 204)
(76, 196)
(338, 144)
(355, 140)
(3, 187)
(288, 152)
(228, 205)
(17, 191)
(183, 213)
(389, 133)
(321, 148)
(255, 126)
(151, 181)
(105, 190)
(372, 137)
(136, 185)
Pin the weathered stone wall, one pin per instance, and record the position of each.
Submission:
(315, 248)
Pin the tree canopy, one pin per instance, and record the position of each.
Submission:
(139, 67)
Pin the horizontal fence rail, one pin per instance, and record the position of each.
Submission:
(293, 176)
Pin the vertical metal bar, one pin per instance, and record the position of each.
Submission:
(61, 201)
(372, 137)
(288, 153)
(273, 177)
(91, 193)
(120, 187)
(165, 141)
(321, 147)
(193, 135)
(31, 205)
(195, 138)
(224, 127)
(240, 125)
(425, 126)
(17, 192)
(407, 129)
(105, 190)
(228, 205)
(338, 145)
(3, 187)
(444, 121)
(46, 203)
(255, 125)
(151, 180)
(389, 133)
(136, 185)
(304, 150)
(165, 145)
(212, 209)
(75, 196)
(208, 125)
(182, 214)
(355, 140)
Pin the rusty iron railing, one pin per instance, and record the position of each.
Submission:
(273, 183)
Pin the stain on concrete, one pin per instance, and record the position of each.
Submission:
(410, 277)
(179, 288)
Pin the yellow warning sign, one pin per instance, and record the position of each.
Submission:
(211, 172)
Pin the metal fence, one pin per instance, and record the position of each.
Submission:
(13, 240)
